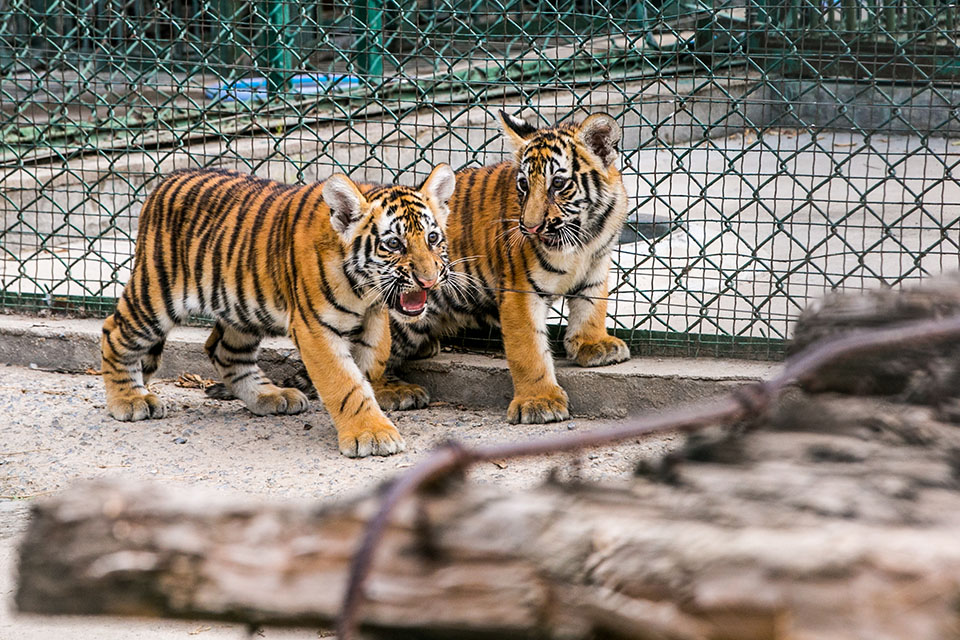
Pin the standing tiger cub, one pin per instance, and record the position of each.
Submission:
(328, 263)
(522, 234)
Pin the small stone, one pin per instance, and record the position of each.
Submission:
(180, 441)
(593, 456)
(307, 426)
(571, 426)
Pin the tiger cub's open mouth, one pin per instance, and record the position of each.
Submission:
(412, 303)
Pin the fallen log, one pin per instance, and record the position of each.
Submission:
(846, 525)
(924, 373)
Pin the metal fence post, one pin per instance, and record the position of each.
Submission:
(370, 46)
(851, 11)
(279, 59)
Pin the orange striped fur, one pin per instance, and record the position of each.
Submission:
(326, 263)
(522, 234)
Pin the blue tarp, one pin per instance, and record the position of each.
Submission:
(255, 89)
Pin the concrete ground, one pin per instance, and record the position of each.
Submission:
(55, 432)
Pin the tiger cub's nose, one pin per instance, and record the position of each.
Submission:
(534, 230)
(424, 284)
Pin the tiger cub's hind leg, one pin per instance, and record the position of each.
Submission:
(234, 356)
(130, 355)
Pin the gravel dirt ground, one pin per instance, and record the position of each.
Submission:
(54, 431)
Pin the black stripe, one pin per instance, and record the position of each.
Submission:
(465, 206)
(147, 328)
(597, 223)
(582, 286)
(326, 325)
(203, 213)
(507, 178)
(261, 310)
(328, 292)
(139, 305)
(293, 227)
(180, 226)
(545, 263)
(402, 344)
(343, 403)
(242, 349)
(540, 292)
(360, 407)
(242, 246)
(214, 228)
(151, 222)
(219, 282)
(162, 232)
(242, 376)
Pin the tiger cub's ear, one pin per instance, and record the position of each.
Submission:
(438, 188)
(346, 204)
(600, 133)
(517, 129)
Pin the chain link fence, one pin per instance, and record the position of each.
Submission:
(772, 149)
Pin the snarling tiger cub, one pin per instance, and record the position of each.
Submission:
(522, 234)
(328, 263)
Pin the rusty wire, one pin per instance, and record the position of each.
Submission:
(749, 400)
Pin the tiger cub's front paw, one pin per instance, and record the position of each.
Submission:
(370, 436)
(279, 400)
(537, 409)
(134, 406)
(608, 350)
(396, 394)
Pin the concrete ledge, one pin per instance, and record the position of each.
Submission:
(458, 378)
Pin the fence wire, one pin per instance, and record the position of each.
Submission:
(772, 149)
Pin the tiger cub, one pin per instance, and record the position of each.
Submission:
(328, 263)
(522, 234)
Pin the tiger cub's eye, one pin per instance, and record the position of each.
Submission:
(522, 183)
(393, 244)
(433, 237)
(559, 182)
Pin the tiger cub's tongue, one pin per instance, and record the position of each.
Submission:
(413, 301)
